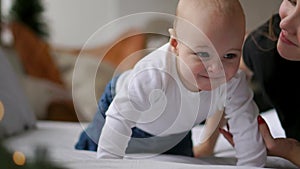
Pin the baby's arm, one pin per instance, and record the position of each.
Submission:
(126, 110)
(241, 112)
(115, 136)
(282, 147)
(207, 145)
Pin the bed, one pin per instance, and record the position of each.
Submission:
(59, 139)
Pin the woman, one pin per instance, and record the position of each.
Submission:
(272, 54)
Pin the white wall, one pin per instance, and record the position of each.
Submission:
(259, 11)
(72, 22)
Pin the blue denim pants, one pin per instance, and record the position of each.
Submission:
(141, 141)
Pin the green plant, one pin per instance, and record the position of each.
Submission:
(30, 13)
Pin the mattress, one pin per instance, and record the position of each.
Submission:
(59, 138)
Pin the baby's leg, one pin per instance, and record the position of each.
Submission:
(89, 138)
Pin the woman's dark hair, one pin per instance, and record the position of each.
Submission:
(268, 33)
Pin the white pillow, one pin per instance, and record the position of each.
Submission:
(81, 82)
(18, 115)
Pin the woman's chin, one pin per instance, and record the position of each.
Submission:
(288, 53)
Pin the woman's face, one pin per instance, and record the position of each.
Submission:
(289, 39)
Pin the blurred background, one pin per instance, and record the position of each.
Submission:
(72, 22)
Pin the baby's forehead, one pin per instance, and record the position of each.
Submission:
(193, 8)
(208, 14)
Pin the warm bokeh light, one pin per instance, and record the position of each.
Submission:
(19, 158)
(1, 111)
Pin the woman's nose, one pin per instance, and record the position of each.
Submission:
(291, 22)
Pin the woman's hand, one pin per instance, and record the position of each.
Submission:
(282, 147)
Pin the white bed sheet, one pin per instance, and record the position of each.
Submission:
(60, 137)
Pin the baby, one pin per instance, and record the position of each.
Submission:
(194, 77)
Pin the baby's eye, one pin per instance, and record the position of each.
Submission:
(229, 56)
(293, 2)
(203, 54)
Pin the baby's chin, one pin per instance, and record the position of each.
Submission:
(211, 85)
(208, 88)
(205, 87)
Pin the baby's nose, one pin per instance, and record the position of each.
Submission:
(214, 68)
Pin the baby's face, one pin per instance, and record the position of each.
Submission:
(209, 50)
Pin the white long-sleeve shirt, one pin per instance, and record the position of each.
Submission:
(152, 97)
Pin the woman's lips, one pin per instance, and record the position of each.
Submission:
(283, 38)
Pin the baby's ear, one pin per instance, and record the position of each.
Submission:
(173, 41)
